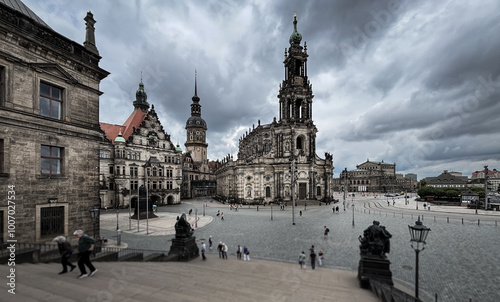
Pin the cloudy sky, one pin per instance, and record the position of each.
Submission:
(414, 83)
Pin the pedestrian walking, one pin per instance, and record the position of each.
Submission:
(86, 245)
(210, 242)
(219, 248)
(218, 213)
(333, 209)
(325, 232)
(190, 211)
(320, 258)
(203, 248)
(238, 252)
(246, 254)
(312, 257)
(300, 214)
(302, 260)
(337, 209)
(224, 251)
(222, 216)
(66, 252)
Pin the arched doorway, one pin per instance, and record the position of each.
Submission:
(155, 199)
(170, 199)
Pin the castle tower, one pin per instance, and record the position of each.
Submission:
(196, 129)
(141, 98)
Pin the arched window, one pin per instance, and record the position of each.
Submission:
(299, 143)
(318, 190)
(268, 191)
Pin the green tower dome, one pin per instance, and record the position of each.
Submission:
(295, 37)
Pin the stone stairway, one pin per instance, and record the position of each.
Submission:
(211, 280)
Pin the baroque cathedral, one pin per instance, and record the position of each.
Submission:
(279, 159)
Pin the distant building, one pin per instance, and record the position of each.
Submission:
(197, 170)
(262, 172)
(480, 174)
(137, 152)
(372, 176)
(49, 121)
(447, 180)
(412, 176)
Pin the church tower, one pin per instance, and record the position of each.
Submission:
(196, 129)
(295, 93)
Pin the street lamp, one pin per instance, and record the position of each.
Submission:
(271, 211)
(418, 234)
(353, 214)
(94, 215)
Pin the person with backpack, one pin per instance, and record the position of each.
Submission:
(302, 260)
(326, 231)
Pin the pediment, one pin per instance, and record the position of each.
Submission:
(55, 70)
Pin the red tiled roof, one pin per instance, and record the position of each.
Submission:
(134, 120)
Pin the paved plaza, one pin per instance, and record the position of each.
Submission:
(459, 262)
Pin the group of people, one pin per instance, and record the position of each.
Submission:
(222, 249)
(86, 245)
(220, 214)
(335, 209)
(313, 257)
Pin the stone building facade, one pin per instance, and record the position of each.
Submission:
(137, 152)
(49, 121)
(447, 180)
(198, 171)
(374, 176)
(262, 171)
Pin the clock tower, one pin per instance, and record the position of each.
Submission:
(196, 129)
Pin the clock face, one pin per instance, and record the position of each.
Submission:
(198, 149)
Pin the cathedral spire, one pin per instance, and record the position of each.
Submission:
(195, 106)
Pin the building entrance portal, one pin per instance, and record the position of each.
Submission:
(302, 191)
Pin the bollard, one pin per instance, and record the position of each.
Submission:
(478, 222)
(495, 223)
(118, 237)
(462, 221)
(448, 219)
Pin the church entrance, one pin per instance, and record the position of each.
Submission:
(302, 191)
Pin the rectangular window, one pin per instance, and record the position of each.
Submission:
(2, 168)
(2, 86)
(51, 221)
(111, 186)
(133, 184)
(160, 185)
(154, 185)
(169, 185)
(50, 101)
(133, 155)
(111, 170)
(51, 160)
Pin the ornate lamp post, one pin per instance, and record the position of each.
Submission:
(418, 234)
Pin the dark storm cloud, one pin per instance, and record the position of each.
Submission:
(410, 82)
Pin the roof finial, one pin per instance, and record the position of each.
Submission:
(141, 76)
(195, 84)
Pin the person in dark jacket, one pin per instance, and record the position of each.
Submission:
(66, 252)
(86, 245)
